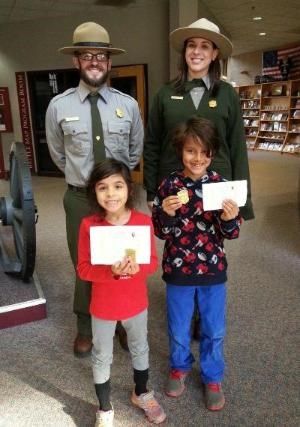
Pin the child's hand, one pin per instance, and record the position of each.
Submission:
(132, 267)
(230, 210)
(119, 267)
(170, 205)
(126, 266)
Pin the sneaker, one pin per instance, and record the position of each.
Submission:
(153, 411)
(175, 384)
(214, 396)
(104, 418)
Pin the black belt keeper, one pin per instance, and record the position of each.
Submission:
(79, 189)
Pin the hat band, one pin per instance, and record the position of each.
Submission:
(94, 44)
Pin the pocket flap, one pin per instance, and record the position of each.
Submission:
(119, 127)
(74, 128)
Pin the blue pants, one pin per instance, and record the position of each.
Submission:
(211, 301)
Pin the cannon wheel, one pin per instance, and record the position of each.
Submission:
(20, 213)
(23, 218)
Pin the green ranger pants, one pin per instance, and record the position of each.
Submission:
(76, 207)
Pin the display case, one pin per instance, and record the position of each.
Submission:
(271, 114)
(292, 144)
(250, 102)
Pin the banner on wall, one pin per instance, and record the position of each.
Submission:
(5, 112)
(25, 117)
(283, 64)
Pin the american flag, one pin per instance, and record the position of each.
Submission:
(274, 58)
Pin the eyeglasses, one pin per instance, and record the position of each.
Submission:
(87, 56)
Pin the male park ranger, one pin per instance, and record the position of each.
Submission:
(75, 145)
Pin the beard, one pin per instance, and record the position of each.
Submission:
(93, 82)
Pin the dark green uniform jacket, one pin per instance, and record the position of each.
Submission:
(168, 109)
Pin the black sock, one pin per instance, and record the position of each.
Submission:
(103, 394)
(140, 379)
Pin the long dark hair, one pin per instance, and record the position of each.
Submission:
(103, 170)
(214, 73)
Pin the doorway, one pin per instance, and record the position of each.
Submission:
(132, 80)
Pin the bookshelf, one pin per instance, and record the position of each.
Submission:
(271, 115)
(250, 97)
(293, 135)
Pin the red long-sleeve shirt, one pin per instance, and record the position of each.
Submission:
(114, 299)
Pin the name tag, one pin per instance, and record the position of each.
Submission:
(176, 97)
(71, 119)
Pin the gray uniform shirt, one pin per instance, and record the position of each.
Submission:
(69, 131)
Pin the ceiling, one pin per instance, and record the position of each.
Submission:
(280, 18)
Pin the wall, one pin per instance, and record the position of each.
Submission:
(243, 68)
(182, 16)
(142, 30)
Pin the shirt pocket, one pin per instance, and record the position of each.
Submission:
(76, 137)
(118, 136)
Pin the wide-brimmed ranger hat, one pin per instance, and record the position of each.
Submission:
(205, 29)
(90, 35)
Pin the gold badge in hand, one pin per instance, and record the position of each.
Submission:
(183, 196)
(131, 253)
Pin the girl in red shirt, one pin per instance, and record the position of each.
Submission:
(119, 291)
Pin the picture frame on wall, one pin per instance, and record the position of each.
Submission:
(5, 111)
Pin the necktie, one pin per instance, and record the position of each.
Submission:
(190, 84)
(97, 130)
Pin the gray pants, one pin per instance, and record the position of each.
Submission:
(102, 352)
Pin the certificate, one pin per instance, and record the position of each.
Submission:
(213, 194)
(110, 244)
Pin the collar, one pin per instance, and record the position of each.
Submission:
(84, 91)
(205, 80)
(187, 179)
(197, 82)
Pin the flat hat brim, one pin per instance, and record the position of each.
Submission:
(179, 36)
(69, 50)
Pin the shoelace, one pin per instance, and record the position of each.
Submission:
(216, 387)
(150, 404)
